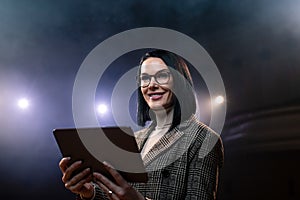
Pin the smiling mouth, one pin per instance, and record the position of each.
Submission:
(156, 96)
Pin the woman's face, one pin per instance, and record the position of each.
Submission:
(158, 96)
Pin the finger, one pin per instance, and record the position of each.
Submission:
(109, 193)
(108, 183)
(63, 164)
(116, 175)
(77, 188)
(68, 172)
(78, 177)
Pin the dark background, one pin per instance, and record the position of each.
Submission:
(254, 43)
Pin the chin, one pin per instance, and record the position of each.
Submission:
(156, 107)
(160, 107)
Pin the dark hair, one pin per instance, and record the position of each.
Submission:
(184, 96)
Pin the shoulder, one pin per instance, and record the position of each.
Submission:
(204, 140)
(201, 131)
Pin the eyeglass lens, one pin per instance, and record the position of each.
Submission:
(160, 77)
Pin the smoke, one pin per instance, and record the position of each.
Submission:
(254, 43)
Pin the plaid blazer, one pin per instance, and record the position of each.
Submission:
(183, 165)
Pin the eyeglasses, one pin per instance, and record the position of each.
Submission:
(161, 77)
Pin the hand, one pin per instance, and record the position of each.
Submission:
(120, 190)
(79, 183)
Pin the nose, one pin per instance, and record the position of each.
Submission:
(152, 82)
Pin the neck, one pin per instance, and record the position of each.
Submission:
(164, 118)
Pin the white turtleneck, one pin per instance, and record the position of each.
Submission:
(163, 124)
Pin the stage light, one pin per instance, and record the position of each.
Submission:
(219, 100)
(23, 103)
(102, 109)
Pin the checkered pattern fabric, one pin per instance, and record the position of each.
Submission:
(183, 165)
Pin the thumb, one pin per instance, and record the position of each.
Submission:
(88, 186)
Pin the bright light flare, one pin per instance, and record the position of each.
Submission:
(219, 100)
(102, 109)
(23, 103)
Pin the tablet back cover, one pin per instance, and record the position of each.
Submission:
(70, 143)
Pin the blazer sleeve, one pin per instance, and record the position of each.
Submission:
(203, 173)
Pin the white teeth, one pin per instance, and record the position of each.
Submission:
(155, 96)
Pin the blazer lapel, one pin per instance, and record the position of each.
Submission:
(163, 144)
(141, 137)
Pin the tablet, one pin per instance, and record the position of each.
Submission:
(115, 145)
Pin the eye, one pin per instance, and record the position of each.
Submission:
(162, 75)
(144, 77)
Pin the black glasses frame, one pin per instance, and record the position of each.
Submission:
(155, 78)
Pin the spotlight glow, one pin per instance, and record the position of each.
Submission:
(219, 100)
(23, 103)
(102, 108)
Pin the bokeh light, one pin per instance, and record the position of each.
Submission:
(101, 109)
(219, 100)
(23, 103)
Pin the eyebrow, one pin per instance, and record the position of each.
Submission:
(157, 72)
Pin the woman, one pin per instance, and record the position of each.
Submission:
(182, 155)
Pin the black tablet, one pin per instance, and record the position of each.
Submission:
(115, 145)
